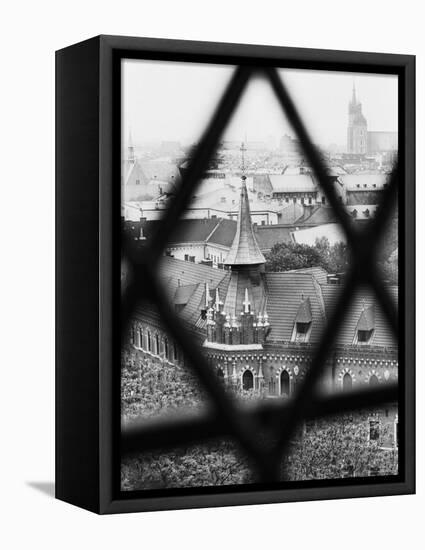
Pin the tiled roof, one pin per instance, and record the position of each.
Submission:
(364, 298)
(224, 233)
(318, 215)
(197, 230)
(286, 291)
(244, 249)
(320, 274)
(297, 183)
(288, 297)
(269, 235)
(291, 213)
(183, 293)
(188, 273)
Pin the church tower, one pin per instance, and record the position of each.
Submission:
(357, 127)
(239, 318)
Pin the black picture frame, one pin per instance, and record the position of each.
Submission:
(87, 264)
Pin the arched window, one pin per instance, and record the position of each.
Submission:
(347, 382)
(149, 342)
(156, 344)
(247, 380)
(373, 380)
(284, 383)
(220, 374)
(166, 348)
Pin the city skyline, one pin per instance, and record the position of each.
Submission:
(169, 101)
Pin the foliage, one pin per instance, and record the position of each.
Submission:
(151, 388)
(286, 256)
(340, 448)
(211, 464)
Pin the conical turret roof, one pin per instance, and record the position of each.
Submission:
(244, 249)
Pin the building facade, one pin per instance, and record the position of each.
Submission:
(259, 330)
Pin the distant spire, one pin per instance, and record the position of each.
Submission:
(354, 100)
(131, 156)
(244, 249)
(243, 149)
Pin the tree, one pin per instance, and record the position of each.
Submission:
(287, 256)
(337, 448)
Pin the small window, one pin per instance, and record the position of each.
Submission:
(347, 382)
(284, 384)
(302, 328)
(374, 430)
(186, 257)
(373, 380)
(323, 200)
(137, 182)
(301, 332)
(247, 380)
(309, 200)
(364, 336)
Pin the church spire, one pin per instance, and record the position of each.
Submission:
(244, 249)
(354, 99)
(131, 156)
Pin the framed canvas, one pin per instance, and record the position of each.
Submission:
(235, 274)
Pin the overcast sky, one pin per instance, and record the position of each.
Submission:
(174, 101)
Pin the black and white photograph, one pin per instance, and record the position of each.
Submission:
(253, 271)
(212, 270)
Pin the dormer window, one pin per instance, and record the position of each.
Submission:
(364, 336)
(303, 322)
(302, 328)
(365, 327)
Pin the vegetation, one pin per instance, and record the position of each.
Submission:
(325, 450)
(286, 256)
(332, 258)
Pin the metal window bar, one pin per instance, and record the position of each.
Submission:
(278, 419)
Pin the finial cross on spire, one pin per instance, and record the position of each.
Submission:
(243, 149)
